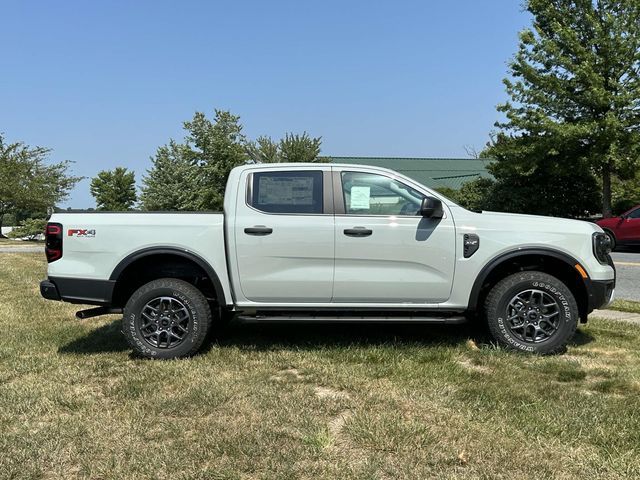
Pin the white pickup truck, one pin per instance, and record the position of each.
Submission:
(329, 242)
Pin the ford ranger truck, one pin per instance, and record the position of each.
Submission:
(329, 242)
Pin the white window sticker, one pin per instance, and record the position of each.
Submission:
(285, 191)
(360, 198)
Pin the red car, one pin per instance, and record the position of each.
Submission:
(623, 230)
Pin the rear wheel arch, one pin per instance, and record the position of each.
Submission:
(153, 263)
(553, 262)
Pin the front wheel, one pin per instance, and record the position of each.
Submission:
(532, 312)
(166, 318)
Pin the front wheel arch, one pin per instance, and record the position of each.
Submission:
(546, 260)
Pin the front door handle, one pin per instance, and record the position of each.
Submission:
(259, 230)
(358, 232)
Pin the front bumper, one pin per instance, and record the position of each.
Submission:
(600, 293)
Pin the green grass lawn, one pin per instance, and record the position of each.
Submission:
(625, 306)
(7, 242)
(334, 402)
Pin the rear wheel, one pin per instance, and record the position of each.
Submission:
(532, 312)
(166, 318)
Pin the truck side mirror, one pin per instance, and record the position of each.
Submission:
(431, 208)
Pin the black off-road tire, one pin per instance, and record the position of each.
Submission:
(192, 307)
(497, 307)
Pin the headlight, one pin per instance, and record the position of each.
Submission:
(601, 247)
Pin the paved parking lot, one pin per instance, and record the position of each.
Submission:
(628, 268)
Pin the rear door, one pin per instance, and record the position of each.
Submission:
(385, 251)
(284, 235)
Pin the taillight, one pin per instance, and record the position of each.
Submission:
(53, 244)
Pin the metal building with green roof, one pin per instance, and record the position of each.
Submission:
(431, 172)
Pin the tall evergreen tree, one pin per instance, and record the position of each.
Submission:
(575, 99)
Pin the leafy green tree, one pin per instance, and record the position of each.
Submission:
(625, 194)
(300, 148)
(575, 104)
(193, 175)
(476, 194)
(29, 229)
(173, 182)
(216, 148)
(263, 150)
(291, 148)
(114, 190)
(27, 183)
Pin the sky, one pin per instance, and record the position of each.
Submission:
(104, 84)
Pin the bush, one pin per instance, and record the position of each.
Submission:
(30, 229)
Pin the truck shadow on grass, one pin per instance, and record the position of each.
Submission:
(305, 336)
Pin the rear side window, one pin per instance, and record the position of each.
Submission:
(287, 192)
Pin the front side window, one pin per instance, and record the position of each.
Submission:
(287, 192)
(371, 194)
(635, 213)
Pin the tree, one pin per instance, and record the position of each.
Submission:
(193, 175)
(300, 148)
(27, 183)
(173, 182)
(114, 190)
(263, 150)
(291, 148)
(575, 101)
(216, 147)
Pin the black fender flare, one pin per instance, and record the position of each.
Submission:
(197, 259)
(506, 256)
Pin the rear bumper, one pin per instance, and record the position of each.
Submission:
(78, 290)
(49, 290)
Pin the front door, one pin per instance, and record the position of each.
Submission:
(629, 229)
(283, 237)
(385, 251)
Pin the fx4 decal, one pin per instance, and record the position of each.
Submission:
(81, 233)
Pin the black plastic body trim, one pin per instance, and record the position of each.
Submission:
(78, 290)
(128, 260)
(600, 292)
(496, 261)
(49, 290)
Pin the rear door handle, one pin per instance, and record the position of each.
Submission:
(358, 232)
(260, 231)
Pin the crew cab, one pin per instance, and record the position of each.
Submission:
(329, 242)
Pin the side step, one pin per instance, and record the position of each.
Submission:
(442, 320)
(96, 312)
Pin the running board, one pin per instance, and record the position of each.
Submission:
(451, 320)
(96, 312)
